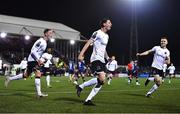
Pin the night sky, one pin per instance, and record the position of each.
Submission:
(155, 19)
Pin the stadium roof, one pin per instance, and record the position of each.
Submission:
(25, 26)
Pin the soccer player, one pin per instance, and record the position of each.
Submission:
(81, 69)
(111, 67)
(71, 70)
(171, 69)
(34, 62)
(23, 64)
(75, 75)
(46, 67)
(135, 71)
(99, 39)
(161, 57)
(164, 71)
(129, 71)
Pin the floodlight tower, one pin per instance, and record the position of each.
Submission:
(133, 49)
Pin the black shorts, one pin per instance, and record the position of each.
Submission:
(155, 71)
(71, 71)
(135, 74)
(111, 72)
(22, 70)
(129, 72)
(46, 71)
(97, 66)
(81, 71)
(31, 67)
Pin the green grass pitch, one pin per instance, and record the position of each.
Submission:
(119, 97)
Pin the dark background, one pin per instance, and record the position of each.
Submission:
(155, 18)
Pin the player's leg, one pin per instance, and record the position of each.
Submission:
(20, 76)
(38, 82)
(71, 73)
(83, 76)
(129, 76)
(137, 81)
(109, 78)
(86, 84)
(95, 66)
(75, 78)
(158, 82)
(48, 78)
(95, 89)
(170, 76)
(153, 72)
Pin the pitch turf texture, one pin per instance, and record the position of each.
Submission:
(119, 97)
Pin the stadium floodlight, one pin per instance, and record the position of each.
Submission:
(3, 34)
(72, 42)
(27, 37)
(136, 0)
(52, 40)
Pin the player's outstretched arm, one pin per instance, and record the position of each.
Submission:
(81, 55)
(144, 53)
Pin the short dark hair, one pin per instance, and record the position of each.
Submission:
(164, 37)
(104, 20)
(46, 30)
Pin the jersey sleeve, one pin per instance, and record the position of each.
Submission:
(94, 36)
(154, 48)
(34, 50)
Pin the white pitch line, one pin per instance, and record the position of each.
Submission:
(73, 92)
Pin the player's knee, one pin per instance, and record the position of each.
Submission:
(99, 84)
(38, 74)
(102, 76)
(158, 80)
(25, 75)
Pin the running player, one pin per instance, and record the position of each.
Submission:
(99, 39)
(111, 67)
(161, 57)
(34, 62)
(46, 67)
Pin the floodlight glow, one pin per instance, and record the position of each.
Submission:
(27, 37)
(3, 35)
(137, 0)
(52, 40)
(72, 42)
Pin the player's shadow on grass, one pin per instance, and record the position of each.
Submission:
(67, 99)
(134, 94)
(17, 94)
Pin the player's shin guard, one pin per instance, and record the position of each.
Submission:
(16, 77)
(38, 85)
(48, 80)
(89, 83)
(109, 81)
(153, 89)
(94, 91)
(129, 80)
